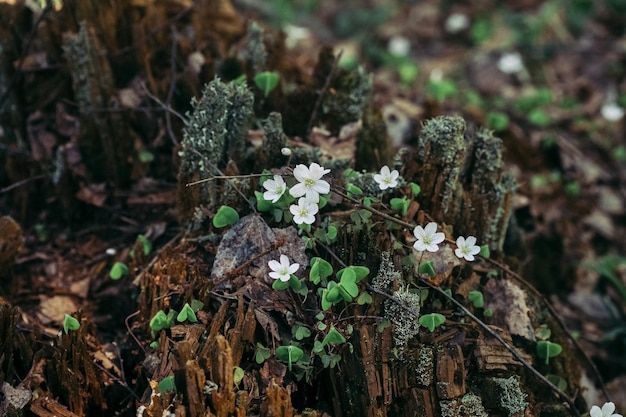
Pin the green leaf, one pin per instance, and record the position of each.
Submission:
(320, 269)
(146, 156)
(154, 344)
(266, 81)
(280, 285)
(364, 298)
(238, 375)
(360, 272)
(331, 235)
(321, 326)
(488, 312)
(476, 298)
(353, 190)
(558, 381)
(400, 205)
(348, 282)
(382, 325)
(289, 354)
(484, 251)
(118, 270)
(333, 294)
(159, 321)
(225, 216)
(263, 205)
(333, 337)
(547, 350)
(167, 385)
(196, 305)
(543, 332)
(415, 189)
(70, 323)
(497, 121)
(300, 332)
(187, 313)
(262, 353)
(432, 320)
(146, 245)
(426, 268)
(317, 347)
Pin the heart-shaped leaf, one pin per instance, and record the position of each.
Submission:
(262, 353)
(547, 350)
(333, 337)
(426, 268)
(70, 323)
(364, 298)
(432, 320)
(118, 270)
(266, 81)
(187, 313)
(225, 216)
(348, 282)
(159, 321)
(320, 269)
(476, 298)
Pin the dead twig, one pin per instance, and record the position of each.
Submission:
(554, 388)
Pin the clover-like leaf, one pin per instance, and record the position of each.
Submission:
(476, 298)
(432, 320)
(70, 323)
(238, 375)
(262, 353)
(348, 283)
(320, 269)
(289, 354)
(333, 337)
(159, 321)
(167, 385)
(547, 350)
(266, 81)
(225, 216)
(187, 313)
(364, 298)
(118, 270)
(426, 268)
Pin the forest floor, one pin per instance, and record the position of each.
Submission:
(547, 77)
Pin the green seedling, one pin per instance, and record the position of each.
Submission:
(70, 323)
(497, 121)
(485, 252)
(476, 298)
(432, 320)
(266, 81)
(238, 375)
(118, 270)
(300, 331)
(161, 320)
(146, 245)
(547, 350)
(320, 270)
(401, 205)
(167, 385)
(426, 268)
(186, 313)
(441, 89)
(262, 353)
(290, 354)
(225, 216)
(333, 337)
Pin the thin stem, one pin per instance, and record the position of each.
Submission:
(564, 396)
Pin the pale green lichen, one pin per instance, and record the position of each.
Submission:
(470, 405)
(255, 51)
(387, 273)
(425, 366)
(274, 139)
(403, 313)
(352, 95)
(507, 395)
(441, 150)
(215, 136)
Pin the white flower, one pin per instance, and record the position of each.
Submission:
(285, 151)
(427, 238)
(466, 248)
(399, 46)
(282, 270)
(456, 22)
(607, 411)
(275, 188)
(310, 183)
(612, 112)
(387, 179)
(511, 63)
(304, 212)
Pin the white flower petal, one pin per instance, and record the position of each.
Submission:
(438, 238)
(430, 228)
(419, 232)
(301, 172)
(608, 408)
(470, 241)
(297, 190)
